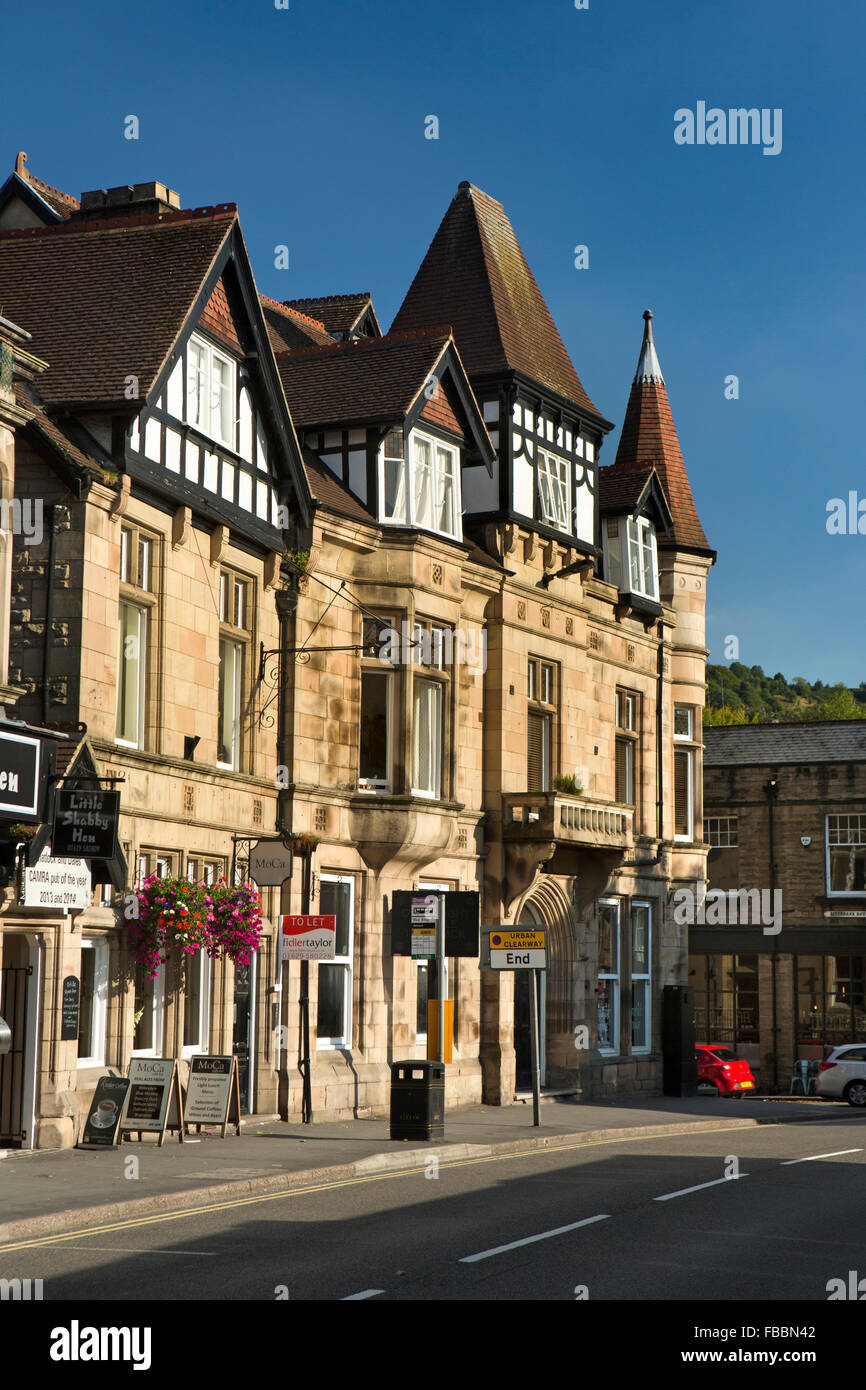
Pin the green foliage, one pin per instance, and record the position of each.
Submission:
(567, 784)
(738, 694)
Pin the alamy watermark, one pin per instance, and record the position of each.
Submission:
(737, 126)
(441, 647)
(22, 518)
(744, 907)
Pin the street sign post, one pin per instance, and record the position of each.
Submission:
(518, 948)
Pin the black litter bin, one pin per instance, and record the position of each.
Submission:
(417, 1100)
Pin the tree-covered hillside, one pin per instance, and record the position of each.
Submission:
(739, 694)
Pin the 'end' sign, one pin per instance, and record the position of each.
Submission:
(306, 937)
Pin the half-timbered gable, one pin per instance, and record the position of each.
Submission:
(395, 420)
(158, 349)
(545, 428)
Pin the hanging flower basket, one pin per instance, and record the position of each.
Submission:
(235, 921)
(169, 913)
(177, 917)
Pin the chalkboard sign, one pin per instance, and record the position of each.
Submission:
(106, 1107)
(153, 1088)
(69, 1008)
(212, 1096)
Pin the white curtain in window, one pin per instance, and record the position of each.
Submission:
(427, 738)
(422, 500)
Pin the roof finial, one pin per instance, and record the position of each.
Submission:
(20, 161)
(648, 368)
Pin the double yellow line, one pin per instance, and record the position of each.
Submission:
(82, 1232)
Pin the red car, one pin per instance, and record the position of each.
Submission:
(722, 1070)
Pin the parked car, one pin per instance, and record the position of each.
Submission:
(842, 1074)
(721, 1070)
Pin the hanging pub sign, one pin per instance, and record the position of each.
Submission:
(85, 824)
(154, 1102)
(270, 863)
(20, 775)
(69, 1008)
(103, 1120)
(462, 917)
(212, 1095)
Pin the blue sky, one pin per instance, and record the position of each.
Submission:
(312, 119)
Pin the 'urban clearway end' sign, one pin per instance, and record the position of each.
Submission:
(307, 937)
(518, 950)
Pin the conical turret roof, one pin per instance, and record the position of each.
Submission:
(649, 438)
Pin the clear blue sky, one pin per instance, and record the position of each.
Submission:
(312, 120)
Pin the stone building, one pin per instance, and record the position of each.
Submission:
(373, 593)
(785, 812)
(158, 447)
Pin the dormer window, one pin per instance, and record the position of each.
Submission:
(421, 489)
(642, 558)
(630, 556)
(210, 393)
(553, 490)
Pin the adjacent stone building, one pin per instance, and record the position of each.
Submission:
(785, 813)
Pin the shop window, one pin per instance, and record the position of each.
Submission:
(93, 1002)
(334, 1010)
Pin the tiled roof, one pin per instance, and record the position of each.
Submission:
(105, 299)
(369, 379)
(338, 312)
(751, 745)
(476, 277)
(621, 491)
(329, 492)
(649, 439)
(68, 441)
(290, 330)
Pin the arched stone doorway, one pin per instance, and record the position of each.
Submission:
(548, 906)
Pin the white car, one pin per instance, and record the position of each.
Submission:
(842, 1074)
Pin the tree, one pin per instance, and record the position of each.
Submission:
(840, 704)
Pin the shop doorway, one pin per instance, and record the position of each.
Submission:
(15, 978)
(244, 1031)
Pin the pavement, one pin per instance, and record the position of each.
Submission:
(49, 1191)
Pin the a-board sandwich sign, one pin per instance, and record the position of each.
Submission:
(212, 1094)
(103, 1118)
(154, 1102)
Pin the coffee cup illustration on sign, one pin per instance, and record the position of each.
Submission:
(104, 1114)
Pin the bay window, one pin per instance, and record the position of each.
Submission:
(642, 558)
(684, 774)
(427, 738)
(421, 487)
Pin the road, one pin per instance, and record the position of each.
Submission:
(757, 1214)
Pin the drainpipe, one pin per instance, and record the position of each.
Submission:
(660, 762)
(772, 790)
(49, 612)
